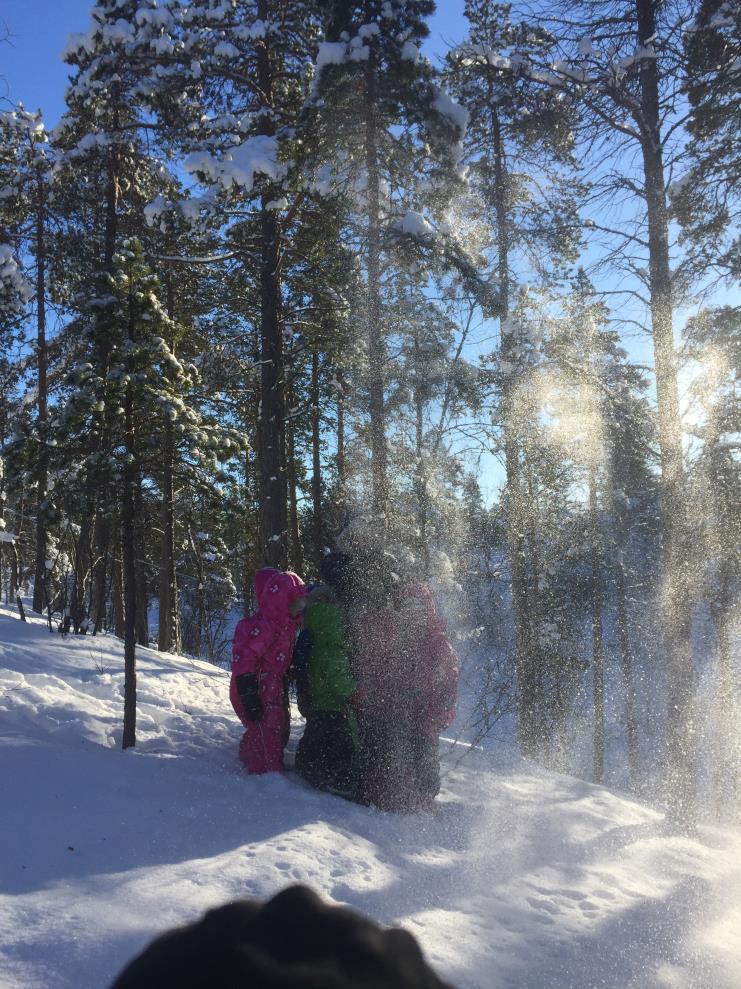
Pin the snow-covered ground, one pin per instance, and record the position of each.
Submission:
(520, 877)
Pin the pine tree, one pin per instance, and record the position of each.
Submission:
(25, 205)
(600, 416)
(382, 122)
(705, 197)
(619, 68)
(519, 148)
(107, 174)
(247, 64)
(713, 339)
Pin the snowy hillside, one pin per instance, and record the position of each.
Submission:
(520, 878)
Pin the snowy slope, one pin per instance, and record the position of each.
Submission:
(520, 878)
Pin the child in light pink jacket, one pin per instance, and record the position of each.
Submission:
(261, 655)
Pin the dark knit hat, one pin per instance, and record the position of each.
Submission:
(294, 941)
(333, 568)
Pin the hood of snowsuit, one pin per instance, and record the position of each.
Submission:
(275, 590)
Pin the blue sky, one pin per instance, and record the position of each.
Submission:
(32, 72)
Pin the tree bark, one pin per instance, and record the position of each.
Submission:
(341, 465)
(96, 494)
(597, 601)
(101, 542)
(142, 589)
(167, 636)
(272, 479)
(82, 572)
(676, 602)
(420, 476)
(118, 601)
(129, 511)
(376, 344)
(296, 558)
(128, 553)
(515, 506)
(42, 467)
(15, 580)
(728, 774)
(317, 536)
(626, 666)
(168, 633)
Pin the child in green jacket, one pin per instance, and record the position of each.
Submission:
(327, 753)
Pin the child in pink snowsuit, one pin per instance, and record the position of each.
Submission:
(261, 655)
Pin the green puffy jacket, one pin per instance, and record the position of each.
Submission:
(328, 677)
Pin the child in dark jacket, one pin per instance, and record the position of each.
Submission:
(407, 674)
(326, 754)
(261, 655)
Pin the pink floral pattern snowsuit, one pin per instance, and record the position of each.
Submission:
(263, 644)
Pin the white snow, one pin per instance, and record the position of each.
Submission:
(368, 30)
(358, 53)
(410, 52)
(15, 289)
(258, 154)
(520, 878)
(226, 49)
(447, 107)
(250, 32)
(330, 53)
(415, 224)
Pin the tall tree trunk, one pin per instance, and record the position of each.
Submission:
(626, 666)
(341, 464)
(728, 772)
(42, 466)
(536, 687)
(676, 602)
(420, 476)
(101, 542)
(142, 590)
(130, 510)
(118, 601)
(273, 487)
(81, 574)
(376, 343)
(514, 500)
(96, 494)
(167, 636)
(128, 553)
(317, 536)
(249, 564)
(15, 579)
(296, 558)
(597, 600)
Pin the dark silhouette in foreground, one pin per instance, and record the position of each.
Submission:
(293, 941)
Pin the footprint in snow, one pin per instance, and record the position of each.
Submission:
(538, 904)
(604, 894)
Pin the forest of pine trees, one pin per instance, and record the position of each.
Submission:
(275, 270)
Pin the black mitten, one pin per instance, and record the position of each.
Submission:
(249, 696)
